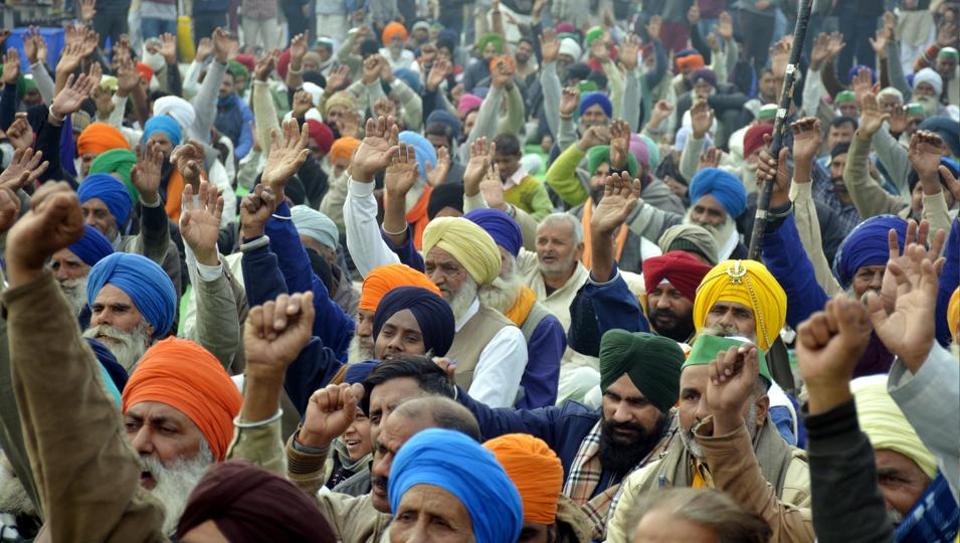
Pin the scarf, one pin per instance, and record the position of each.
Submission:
(347, 467)
(174, 196)
(521, 307)
(621, 239)
(934, 517)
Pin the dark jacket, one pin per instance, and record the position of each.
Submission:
(234, 119)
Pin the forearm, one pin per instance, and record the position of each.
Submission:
(363, 233)
(550, 84)
(895, 70)
(562, 176)
(808, 230)
(205, 102)
(690, 157)
(411, 103)
(174, 81)
(812, 92)
(264, 115)
(262, 445)
(615, 86)
(567, 135)
(218, 324)
(140, 109)
(893, 157)
(487, 116)
(154, 237)
(45, 84)
(630, 108)
(868, 197)
(512, 122)
(784, 256)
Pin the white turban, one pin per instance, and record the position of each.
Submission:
(181, 110)
(928, 75)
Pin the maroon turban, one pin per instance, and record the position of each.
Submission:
(683, 270)
(250, 504)
(753, 139)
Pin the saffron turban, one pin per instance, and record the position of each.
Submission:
(100, 138)
(165, 125)
(746, 282)
(753, 139)
(469, 244)
(315, 225)
(596, 99)
(147, 285)
(468, 102)
(706, 348)
(92, 247)
(343, 148)
(432, 312)
(181, 110)
(249, 504)
(383, 279)
(536, 471)
(426, 153)
(119, 162)
(690, 63)
(652, 362)
(885, 424)
(502, 228)
(690, 238)
(452, 461)
(111, 192)
(867, 245)
(953, 312)
(724, 186)
(600, 154)
(683, 270)
(392, 31)
(183, 375)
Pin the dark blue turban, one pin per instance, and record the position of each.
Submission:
(111, 192)
(867, 245)
(443, 116)
(722, 185)
(596, 98)
(501, 227)
(356, 373)
(147, 285)
(452, 461)
(432, 312)
(92, 247)
(109, 362)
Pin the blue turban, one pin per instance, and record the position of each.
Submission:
(162, 123)
(315, 225)
(411, 78)
(501, 227)
(92, 247)
(596, 98)
(724, 186)
(359, 371)
(145, 283)
(111, 192)
(425, 150)
(117, 375)
(867, 245)
(461, 466)
(443, 116)
(433, 314)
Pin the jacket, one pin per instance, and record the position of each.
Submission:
(546, 342)
(233, 120)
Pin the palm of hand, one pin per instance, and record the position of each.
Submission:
(805, 145)
(475, 170)
(281, 165)
(202, 230)
(372, 155)
(401, 177)
(492, 190)
(908, 331)
(11, 71)
(925, 159)
(612, 211)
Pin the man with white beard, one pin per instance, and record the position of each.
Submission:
(72, 264)
(717, 199)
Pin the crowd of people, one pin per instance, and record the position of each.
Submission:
(480, 273)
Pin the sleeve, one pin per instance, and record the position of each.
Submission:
(545, 423)
(246, 133)
(487, 116)
(496, 379)
(44, 83)
(174, 82)
(630, 109)
(540, 202)
(949, 279)
(191, 83)
(218, 325)
(869, 197)
(615, 305)
(784, 256)
(895, 73)
(406, 252)
(812, 92)
(154, 237)
(542, 376)
(412, 105)
(205, 102)
(808, 231)
(8, 106)
(264, 114)
(567, 133)
(615, 82)
(690, 157)
(847, 504)
(652, 79)
(261, 446)
(550, 84)
(48, 140)
(512, 121)
(893, 157)
(562, 177)
(368, 249)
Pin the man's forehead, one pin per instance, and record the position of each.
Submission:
(392, 392)
(157, 410)
(555, 229)
(694, 377)
(110, 294)
(731, 305)
(67, 255)
(439, 256)
(95, 204)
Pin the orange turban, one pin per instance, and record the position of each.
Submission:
(145, 71)
(953, 312)
(343, 148)
(100, 138)
(393, 30)
(383, 279)
(536, 471)
(183, 375)
(690, 63)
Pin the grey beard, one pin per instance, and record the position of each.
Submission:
(176, 482)
(461, 300)
(360, 350)
(13, 496)
(694, 448)
(127, 347)
(76, 292)
(502, 293)
(720, 233)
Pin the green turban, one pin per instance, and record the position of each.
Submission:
(120, 162)
(238, 70)
(844, 97)
(706, 348)
(652, 362)
(599, 154)
(490, 37)
(592, 35)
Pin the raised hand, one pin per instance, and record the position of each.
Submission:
(348, 124)
(701, 119)
(820, 51)
(481, 156)
(661, 112)
(24, 169)
(619, 144)
(492, 189)
(72, 95)
(204, 49)
(376, 150)
(593, 136)
(806, 139)
(599, 50)
(221, 44)
(54, 222)
(275, 333)
(724, 27)
(436, 175)
(200, 222)
(503, 73)
(732, 378)
(871, 116)
(630, 52)
(835, 45)
(402, 173)
(898, 121)
(549, 46)
(127, 77)
(829, 345)
(265, 65)
(569, 101)
(11, 67)
(330, 412)
(90, 41)
(20, 133)
(168, 48)
(338, 79)
(862, 84)
(9, 208)
(298, 47)
(302, 102)
(879, 43)
(30, 44)
(70, 59)
(438, 73)
(145, 175)
(255, 210)
(924, 153)
(385, 107)
(951, 182)
(286, 155)
(916, 234)
(620, 196)
(710, 159)
(121, 49)
(188, 159)
(780, 56)
(371, 70)
(88, 8)
(774, 170)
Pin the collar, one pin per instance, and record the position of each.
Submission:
(471, 311)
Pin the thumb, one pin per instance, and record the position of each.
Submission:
(875, 310)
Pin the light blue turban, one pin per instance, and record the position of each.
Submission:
(461, 466)
(425, 151)
(148, 286)
(111, 192)
(315, 225)
(162, 123)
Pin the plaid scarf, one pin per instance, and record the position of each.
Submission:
(933, 518)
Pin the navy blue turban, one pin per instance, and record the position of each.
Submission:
(443, 116)
(722, 185)
(452, 461)
(147, 285)
(356, 373)
(501, 227)
(111, 192)
(92, 247)
(432, 312)
(867, 245)
(109, 362)
(594, 99)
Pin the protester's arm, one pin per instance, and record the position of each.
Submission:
(924, 155)
(512, 121)
(550, 81)
(829, 78)
(544, 422)
(895, 73)
(632, 100)
(654, 77)
(298, 48)
(690, 156)
(264, 113)
(868, 197)
(333, 200)
(893, 158)
(542, 375)
(43, 80)
(245, 143)
(154, 237)
(949, 279)
(8, 106)
(205, 102)
(486, 125)
(562, 176)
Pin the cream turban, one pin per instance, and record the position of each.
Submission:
(885, 424)
(471, 245)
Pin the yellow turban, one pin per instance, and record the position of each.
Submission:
(744, 282)
(535, 469)
(885, 424)
(953, 313)
(471, 245)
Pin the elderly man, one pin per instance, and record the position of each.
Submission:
(639, 378)
(720, 441)
(717, 199)
(72, 264)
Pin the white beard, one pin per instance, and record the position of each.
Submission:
(502, 293)
(13, 496)
(721, 234)
(360, 350)
(461, 300)
(76, 292)
(127, 347)
(176, 482)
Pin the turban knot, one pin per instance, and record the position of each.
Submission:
(111, 192)
(867, 245)
(92, 247)
(683, 270)
(183, 375)
(315, 225)
(432, 312)
(100, 138)
(147, 285)
(383, 279)
(722, 185)
(536, 471)
(502, 228)
(469, 244)
(453, 462)
(652, 362)
(749, 283)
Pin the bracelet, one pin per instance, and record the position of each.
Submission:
(247, 425)
(56, 117)
(400, 233)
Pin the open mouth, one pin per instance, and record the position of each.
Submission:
(147, 480)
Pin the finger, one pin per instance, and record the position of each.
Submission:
(269, 320)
